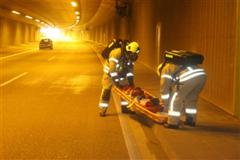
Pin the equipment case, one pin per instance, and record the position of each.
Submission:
(183, 57)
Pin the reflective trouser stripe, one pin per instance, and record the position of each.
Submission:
(103, 105)
(113, 74)
(174, 113)
(172, 101)
(124, 103)
(165, 96)
(171, 111)
(190, 111)
(129, 74)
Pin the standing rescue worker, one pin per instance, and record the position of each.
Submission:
(181, 82)
(118, 70)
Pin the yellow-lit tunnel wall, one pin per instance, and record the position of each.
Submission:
(208, 27)
(13, 32)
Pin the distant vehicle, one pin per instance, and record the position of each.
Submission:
(46, 43)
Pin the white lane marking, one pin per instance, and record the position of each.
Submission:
(130, 140)
(13, 79)
(17, 54)
(51, 58)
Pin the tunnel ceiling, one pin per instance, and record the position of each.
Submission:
(60, 12)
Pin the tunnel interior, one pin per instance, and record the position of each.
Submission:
(208, 27)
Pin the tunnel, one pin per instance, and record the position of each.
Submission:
(49, 97)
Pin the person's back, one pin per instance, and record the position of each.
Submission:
(180, 87)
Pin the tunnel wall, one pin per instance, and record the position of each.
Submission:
(142, 22)
(207, 27)
(237, 100)
(13, 32)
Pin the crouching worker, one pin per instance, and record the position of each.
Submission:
(118, 70)
(181, 82)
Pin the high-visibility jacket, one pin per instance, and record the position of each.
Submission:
(118, 67)
(173, 76)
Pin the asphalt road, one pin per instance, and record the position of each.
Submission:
(49, 110)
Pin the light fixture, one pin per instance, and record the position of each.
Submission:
(37, 20)
(28, 17)
(77, 12)
(42, 23)
(78, 17)
(74, 4)
(16, 12)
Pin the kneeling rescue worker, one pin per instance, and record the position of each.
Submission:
(181, 82)
(118, 70)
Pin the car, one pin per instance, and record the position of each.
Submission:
(46, 43)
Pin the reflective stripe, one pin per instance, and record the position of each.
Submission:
(190, 111)
(125, 103)
(113, 59)
(110, 45)
(191, 76)
(129, 74)
(189, 68)
(172, 101)
(116, 80)
(103, 104)
(190, 72)
(113, 74)
(106, 67)
(166, 76)
(106, 71)
(118, 65)
(129, 63)
(174, 113)
(122, 79)
(137, 51)
(165, 96)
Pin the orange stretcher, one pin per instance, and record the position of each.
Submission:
(159, 117)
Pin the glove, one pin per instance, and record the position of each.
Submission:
(118, 85)
(131, 82)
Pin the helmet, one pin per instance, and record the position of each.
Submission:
(132, 51)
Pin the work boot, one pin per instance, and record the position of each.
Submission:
(173, 122)
(102, 112)
(126, 110)
(171, 126)
(190, 121)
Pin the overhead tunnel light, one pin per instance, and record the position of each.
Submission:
(16, 12)
(28, 17)
(74, 4)
(78, 17)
